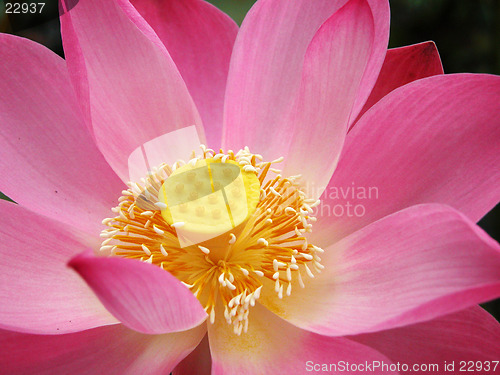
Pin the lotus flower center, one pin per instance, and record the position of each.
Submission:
(224, 224)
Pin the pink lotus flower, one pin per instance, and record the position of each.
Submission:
(399, 279)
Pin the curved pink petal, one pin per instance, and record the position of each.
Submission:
(333, 68)
(200, 39)
(105, 350)
(38, 293)
(127, 83)
(142, 296)
(199, 362)
(381, 20)
(433, 140)
(466, 340)
(414, 265)
(264, 82)
(404, 65)
(273, 346)
(49, 162)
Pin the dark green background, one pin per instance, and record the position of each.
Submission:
(467, 33)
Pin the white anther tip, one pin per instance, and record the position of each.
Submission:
(204, 249)
(262, 241)
(146, 250)
(161, 205)
(158, 230)
(163, 251)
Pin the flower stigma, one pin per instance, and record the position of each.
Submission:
(222, 225)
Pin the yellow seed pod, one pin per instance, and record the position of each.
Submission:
(208, 198)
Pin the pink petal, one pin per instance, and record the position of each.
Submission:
(38, 293)
(381, 20)
(433, 140)
(264, 81)
(125, 79)
(404, 65)
(105, 350)
(199, 362)
(49, 162)
(466, 338)
(318, 123)
(200, 39)
(142, 296)
(272, 346)
(411, 266)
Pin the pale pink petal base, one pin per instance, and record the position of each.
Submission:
(415, 265)
(467, 340)
(113, 350)
(273, 346)
(142, 296)
(38, 292)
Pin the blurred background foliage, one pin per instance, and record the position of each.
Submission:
(467, 34)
